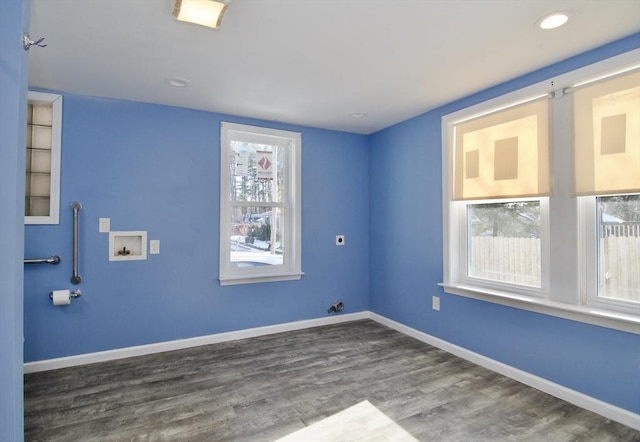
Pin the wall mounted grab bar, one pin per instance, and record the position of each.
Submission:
(55, 259)
(76, 278)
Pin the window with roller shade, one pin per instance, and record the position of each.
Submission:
(500, 178)
(541, 196)
(607, 176)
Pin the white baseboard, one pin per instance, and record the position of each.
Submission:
(582, 400)
(139, 350)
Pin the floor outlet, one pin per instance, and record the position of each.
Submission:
(435, 303)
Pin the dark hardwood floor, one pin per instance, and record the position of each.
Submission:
(352, 381)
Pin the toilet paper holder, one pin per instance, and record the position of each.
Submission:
(74, 294)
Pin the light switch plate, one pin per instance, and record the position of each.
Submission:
(104, 226)
(154, 246)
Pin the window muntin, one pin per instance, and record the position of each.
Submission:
(260, 205)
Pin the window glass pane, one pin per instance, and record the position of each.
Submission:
(256, 172)
(619, 247)
(504, 242)
(256, 236)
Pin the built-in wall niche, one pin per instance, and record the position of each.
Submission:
(42, 171)
(127, 246)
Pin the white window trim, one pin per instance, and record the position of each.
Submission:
(571, 266)
(292, 269)
(56, 148)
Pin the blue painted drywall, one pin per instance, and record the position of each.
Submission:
(156, 168)
(14, 19)
(406, 206)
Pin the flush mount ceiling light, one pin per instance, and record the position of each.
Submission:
(554, 20)
(201, 12)
(357, 115)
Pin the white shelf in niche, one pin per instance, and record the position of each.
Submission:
(127, 246)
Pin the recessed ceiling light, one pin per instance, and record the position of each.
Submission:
(357, 115)
(177, 82)
(554, 20)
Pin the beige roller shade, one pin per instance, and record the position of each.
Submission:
(504, 154)
(607, 136)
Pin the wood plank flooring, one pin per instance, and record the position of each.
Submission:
(354, 381)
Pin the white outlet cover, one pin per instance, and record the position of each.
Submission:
(104, 225)
(154, 246)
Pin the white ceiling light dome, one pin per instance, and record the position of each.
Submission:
(554, 20)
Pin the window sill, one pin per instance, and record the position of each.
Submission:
(237, 280)
(589, 315)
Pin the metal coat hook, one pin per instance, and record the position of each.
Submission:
(28, 42)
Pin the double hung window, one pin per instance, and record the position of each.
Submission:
(259, 205)
(607, 173)
(541, 195)
(501, 182)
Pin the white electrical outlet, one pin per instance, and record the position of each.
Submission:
(339, 240)
(104, 226)
(154, 246)
(435, 303)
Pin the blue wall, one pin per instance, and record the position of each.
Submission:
(14, 19)
(156, 168)
(406, 223)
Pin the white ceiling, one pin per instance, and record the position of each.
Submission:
(311, 62)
